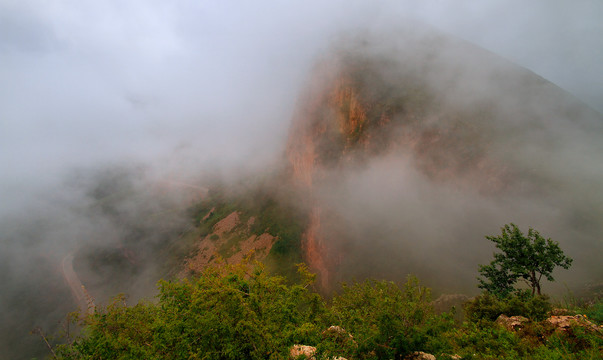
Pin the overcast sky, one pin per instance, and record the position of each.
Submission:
(87, 82)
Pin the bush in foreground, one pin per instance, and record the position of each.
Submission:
(242, 312)
(229, 312)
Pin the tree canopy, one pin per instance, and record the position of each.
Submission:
(527, 258)
(242, 312)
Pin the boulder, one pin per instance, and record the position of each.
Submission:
(453, 356)
(513, 323)
(565, 322)
(339, 335)
(420, 355)
(302, 350)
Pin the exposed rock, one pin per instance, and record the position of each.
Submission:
(250, 222)
(259, 246)
(454, 356)
(315, 248)
(339, 335)
(206, 253)
(230, 241)
(336, 330)
(302, 350)
(227, 224)
(513, 323)
(420, 355)
(565, 322)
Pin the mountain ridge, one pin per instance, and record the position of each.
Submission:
(459, 114)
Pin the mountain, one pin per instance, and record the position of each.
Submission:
(412, 149)
(404, 151)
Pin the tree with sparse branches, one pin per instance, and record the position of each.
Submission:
(527, 258)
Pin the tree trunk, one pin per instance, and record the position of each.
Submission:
(534, 282)
(538, 287)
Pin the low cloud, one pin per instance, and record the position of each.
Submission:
(180, 91)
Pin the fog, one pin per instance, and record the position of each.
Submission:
(133, 96)
(484, 143)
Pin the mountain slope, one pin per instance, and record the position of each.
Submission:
(412, 149)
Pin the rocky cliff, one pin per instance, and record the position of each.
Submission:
(461, 117)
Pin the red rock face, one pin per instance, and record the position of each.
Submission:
(330, 113)
(307, 128)
(339, 122)
(314, 248)
(459, 119)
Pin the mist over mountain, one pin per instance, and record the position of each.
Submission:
(398, 146)
(415, 146)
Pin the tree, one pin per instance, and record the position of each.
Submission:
(229, 312)
(240, 311)
(386, 319)
(527, 258)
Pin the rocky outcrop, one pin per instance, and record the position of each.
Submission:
(231, 241)
(420, 355)
(563, 323)
(227, 224)
(258, 246)
(513, 323)
(314, 247)
(302, 350)
(558, 323)
(340, 336)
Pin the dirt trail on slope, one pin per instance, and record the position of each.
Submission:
(82, 298)
(80, 295)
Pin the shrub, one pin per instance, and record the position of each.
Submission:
(389, 321)
(233, 312)
(595, 311)
(489, 307)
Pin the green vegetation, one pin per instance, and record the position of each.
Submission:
(482, 338)
(595, 311)
(243, 312)
(236, 312)
(489, 307)
(389, 321)
(528, 258)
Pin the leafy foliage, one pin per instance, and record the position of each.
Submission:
(388, 321)
(537, 340)
(528, 258)
(595, 311)
(489, 307)
(242, 312)
(230, 312)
